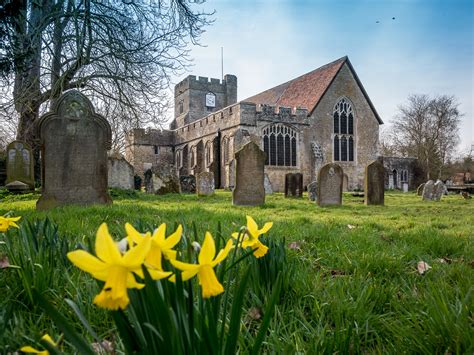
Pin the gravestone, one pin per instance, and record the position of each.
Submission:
(165, 182)
(231, 169)
(428, 191)
(137, 182)
(313, 191)
(405, 187)
(187, 184)
(74, 141)
(121, 174)
(330, 178)
(205, 184)
(249, 176)
(148, 181)
(374, 183)
(419, 190)
(267, 184)
(20, 165)
(294, 185)
(438, 190)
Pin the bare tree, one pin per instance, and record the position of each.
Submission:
(427, 128)
(119, 52)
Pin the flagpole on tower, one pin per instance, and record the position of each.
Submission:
(222, 63)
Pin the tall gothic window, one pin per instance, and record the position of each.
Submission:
(279, 143)
(343, 137)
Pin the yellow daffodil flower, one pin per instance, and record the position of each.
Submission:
(7, 222)
(205, 269)
(29, 349)
(160, 247)
(112, 267)
(250, 239)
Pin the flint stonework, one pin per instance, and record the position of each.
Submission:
(330, 178)
(205, 184)
(249, 176)
(374, 183)
(20, 164)
(74, 141)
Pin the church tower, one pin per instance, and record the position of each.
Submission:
(195, 98)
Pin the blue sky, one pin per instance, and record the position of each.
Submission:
(428, 48)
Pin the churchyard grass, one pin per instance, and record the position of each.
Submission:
(351, 281)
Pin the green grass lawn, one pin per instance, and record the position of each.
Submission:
(353, 285)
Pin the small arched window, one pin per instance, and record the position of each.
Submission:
(279, 144)
(343, 125)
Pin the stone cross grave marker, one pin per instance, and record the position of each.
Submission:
(428, 191)
(205, 184)
(294, 185)
(330, 185)
(20, 164)
(249, 176)
(374, 183)
(74, 141)
(267, 184)
(187, 184)
(313, 191)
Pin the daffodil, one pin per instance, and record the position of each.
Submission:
(112, 267)
(160, 247)
(250, 239)
(7, 222)
(29, 349)
(205, 267)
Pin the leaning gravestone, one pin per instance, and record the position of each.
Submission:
(267, 184)
(374, 183)
(313, 191)
(74, 141)
(438, 190)
(165, 181)
(294, 185)
(330, 178)
(428, 191)
(249, 176)
(20, 165)
(419, 190)
(187, 184)
(205, 184)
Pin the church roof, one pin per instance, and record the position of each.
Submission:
(308, 89)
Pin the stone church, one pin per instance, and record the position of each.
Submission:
(320, 117)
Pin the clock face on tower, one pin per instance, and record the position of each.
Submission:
(210, 100)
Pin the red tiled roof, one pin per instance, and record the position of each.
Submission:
(306, 90)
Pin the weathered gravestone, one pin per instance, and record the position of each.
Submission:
(313, 191)
(249, 175)
(187, 184)
(148, 181)
(231, 169)
(74, 141)
(419, 190)
(20, 165)
(438, 190)
(267, 184)
(294, 185)
(165, 181)
(405, 187)
(120, 173)
(330, 185)
(428, 190)
(374, 183)
(205, 184)
(137, 182)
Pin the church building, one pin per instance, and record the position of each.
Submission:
(320, 117)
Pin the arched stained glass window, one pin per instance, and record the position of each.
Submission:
(343, 137)
(279, 143)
